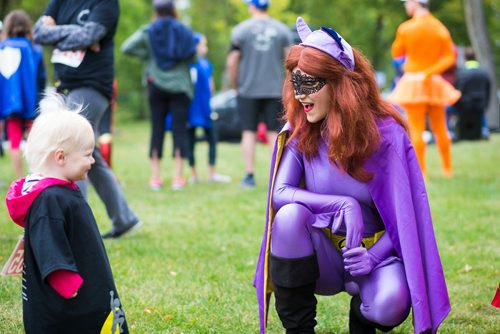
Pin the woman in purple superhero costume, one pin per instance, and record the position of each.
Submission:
(347, 205)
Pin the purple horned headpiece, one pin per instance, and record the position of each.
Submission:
(328, 41)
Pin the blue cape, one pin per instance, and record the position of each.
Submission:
(18, 78)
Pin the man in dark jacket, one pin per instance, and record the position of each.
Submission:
(474, 83)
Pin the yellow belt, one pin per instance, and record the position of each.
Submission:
(339, 240)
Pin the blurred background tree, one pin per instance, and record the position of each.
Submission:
(368, 25)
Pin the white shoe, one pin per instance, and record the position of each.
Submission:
(194, 180)
(219, 178)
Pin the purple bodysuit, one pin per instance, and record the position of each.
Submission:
(395, 200)
(331, 196)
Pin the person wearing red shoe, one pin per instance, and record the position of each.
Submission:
(82, 34)
(254, 62)
(168, 79)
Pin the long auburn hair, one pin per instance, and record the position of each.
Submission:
(350, 124)
(17, 24)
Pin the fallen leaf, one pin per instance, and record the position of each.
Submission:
(168, 316)
(148, 310)
(466, 269)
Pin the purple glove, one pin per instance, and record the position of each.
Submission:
(328, 209)
(334, 210)
(358, 261)
(350, 213)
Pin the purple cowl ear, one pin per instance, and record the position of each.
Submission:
(328, 41)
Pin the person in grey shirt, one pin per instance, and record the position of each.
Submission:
(255, 67)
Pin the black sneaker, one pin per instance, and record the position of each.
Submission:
(248, 181)
(115, 234)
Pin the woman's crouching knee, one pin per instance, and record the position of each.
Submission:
(391, 309)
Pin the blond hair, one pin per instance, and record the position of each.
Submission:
(58, 126)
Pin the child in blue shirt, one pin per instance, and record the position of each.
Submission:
(200, 112)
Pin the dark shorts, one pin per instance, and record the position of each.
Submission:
(252, 111)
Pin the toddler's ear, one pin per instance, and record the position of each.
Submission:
(59, 156)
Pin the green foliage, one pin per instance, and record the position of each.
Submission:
(189, 269)
(368, 25)
(33, 8)
(129, 70)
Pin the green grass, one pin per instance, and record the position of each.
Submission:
(189, 269)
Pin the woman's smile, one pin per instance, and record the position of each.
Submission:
(308, 107)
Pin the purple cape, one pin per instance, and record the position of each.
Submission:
(398, 191)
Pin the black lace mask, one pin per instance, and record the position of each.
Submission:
(305, 85)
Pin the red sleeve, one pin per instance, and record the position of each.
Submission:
(65, 282)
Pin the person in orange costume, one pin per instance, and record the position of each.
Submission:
(422, 92)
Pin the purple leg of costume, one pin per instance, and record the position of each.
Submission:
(291, 238)
(384, 292)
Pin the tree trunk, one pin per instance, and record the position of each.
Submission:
(3, 8)
(478, 35)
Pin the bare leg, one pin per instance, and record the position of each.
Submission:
(248, 139)
(178, 165)
(17, 162)
(271, 137)
(155, 166)
(211, 171)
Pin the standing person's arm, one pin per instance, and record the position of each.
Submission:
(211, 81)
(447, 58)
(398, 48)
(212, 85)
(233, 60)
(41, 73)
(288, 43)
(70, 36)
(285, 52)
(135, 45)
(73, 36)
(46, 31)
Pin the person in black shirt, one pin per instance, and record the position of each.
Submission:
(68, 286)
(82, 33)
(474, 82)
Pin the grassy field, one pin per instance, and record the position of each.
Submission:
(189, 269)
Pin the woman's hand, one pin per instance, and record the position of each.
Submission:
(357, 261)
(353, 220)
